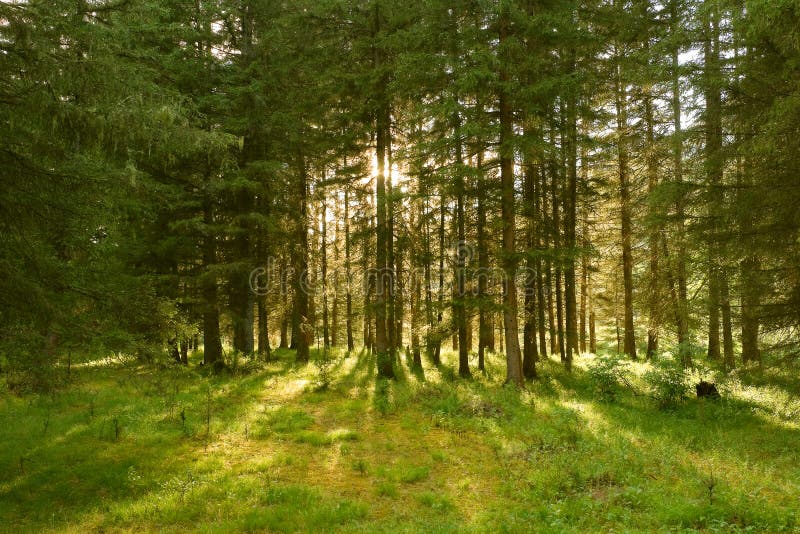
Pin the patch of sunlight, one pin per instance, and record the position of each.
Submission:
(769, 402)
(290, 389)
(595, 422)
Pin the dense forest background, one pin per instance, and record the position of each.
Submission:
(529, 177)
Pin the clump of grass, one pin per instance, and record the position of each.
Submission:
(295, 508)
(435, 501)
(360, 466)
(287, 420)
(386, 489)
(412, 474)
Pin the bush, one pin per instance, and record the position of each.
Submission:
(669, 382)
(605, 375)
(324, 364)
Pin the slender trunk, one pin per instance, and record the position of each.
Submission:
(484, 315)
(459, 304)
(391, 283)
(584, 254)
(263, 328)
(438, 339)
(513, 358)
(369, 290)
(559, 293)
(336, 282)
(570, 222)
(718, 299)
(383, 281)
(530, 350)
(212, 343)
(324, 260)
(301, 320)
(347, 274)
(654, 294)
(541, 244)
(284, 342)
(682, 300)
(592, 332)
(625, 214)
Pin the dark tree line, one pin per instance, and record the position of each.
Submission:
(524, 176)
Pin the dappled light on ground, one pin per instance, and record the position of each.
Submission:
(132, 449)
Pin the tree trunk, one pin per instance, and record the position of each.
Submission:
(347, 274)
(682, 300)
(484, 315)
(654, 294)
(212, 343)
(629, 346)
(383, 269)
(462, 256)
(570, 222)
(530, 349)
(301, 320)
(324, 261)
(506, 149)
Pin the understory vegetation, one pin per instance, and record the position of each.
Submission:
(264, 447)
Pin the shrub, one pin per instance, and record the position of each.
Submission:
(605, 375)
(324, 365)
(668, 381)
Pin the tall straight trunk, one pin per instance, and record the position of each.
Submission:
(629, 346)
(530, 349)
(264, 349)
(727, 327)
(324, 267)
(399, 297)
(301, 320)
(428, 275)
(540, 200)
(750, 305)
(592, 331)
(241, 297)
(385, 361)
(391, 300)
(513, 357)
(484, 315)
(416, 302)
(212, 343)
(347, 273)
(459, 304)
(654, 294)
(570, 222)
(369, 290)
(285, 311)
(438, 338)
(336, 280)
(682, 297)
(383, 281)
(263, 328)
(584, 253)
(719, 299)
(559, 292)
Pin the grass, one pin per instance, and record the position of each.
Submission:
(129, 449)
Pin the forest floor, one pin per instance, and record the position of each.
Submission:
(126, 448)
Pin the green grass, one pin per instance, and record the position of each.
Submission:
(130, 449)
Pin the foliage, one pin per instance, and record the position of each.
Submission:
(668, 381)
(606, 374)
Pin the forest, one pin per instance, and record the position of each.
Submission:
(399, 266)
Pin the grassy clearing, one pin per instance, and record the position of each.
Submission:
(130, 449)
